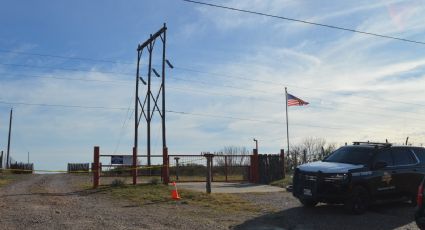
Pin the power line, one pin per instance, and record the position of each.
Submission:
(62, 105)
(169, 111)
(65, 57)
(189, 70)
(209, 92)
(124, 125)
(65, 69)
(71, 79)
(172, 111)
(221, 94)
(248, 119)
(305, 22)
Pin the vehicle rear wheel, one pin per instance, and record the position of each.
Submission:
(308, 202)
(413, 201)
(358, 201)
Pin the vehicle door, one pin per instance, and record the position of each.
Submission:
(382, 184)
(405, 170)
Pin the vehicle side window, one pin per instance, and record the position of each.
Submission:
(403, 156)
(420, 153)
(384, 156)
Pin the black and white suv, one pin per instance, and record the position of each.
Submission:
(359, 174)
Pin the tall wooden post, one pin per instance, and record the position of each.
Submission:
(1, 160)
(225, 166)
(8, 140)
(209, 157)
(254, 166)
(96, 167)
(177, 167)
(134, 166)
(282, 158)
(165, 166)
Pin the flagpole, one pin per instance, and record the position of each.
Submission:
(287, 127)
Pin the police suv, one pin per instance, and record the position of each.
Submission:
(359, 174)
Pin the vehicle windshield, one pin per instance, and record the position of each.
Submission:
(351, 155)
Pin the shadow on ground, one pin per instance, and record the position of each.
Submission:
(384, 216)
(84, 192)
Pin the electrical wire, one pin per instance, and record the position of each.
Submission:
(66, 69)
(65, 57)
(305, 22)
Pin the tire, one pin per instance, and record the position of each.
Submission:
(413, 201)
(309, 203)
(358, 202)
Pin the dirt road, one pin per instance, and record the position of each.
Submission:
(57, 202)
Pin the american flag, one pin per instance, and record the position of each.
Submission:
(295, 101)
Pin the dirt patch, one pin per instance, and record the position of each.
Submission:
(58, 202)
(61, 202)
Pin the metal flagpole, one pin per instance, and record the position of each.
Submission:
(287, 128)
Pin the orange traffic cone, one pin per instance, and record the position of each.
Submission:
(174, 194)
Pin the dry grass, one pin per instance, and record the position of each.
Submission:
(160, 194)
(283, 182)
(5, 178)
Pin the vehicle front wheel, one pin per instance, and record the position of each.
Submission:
(413, 201)
(358, 202)
(308, 202)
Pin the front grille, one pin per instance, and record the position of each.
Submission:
(310, 177)
(320, 184)
(307, 180)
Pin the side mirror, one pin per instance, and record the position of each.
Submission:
(380, 165)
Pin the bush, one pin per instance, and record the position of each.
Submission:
(154, 181)
(117, 183)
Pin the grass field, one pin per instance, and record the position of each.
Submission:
(5, 178)
(145, 194)
(283, 182)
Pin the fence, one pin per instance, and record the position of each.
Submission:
(187, 168)
(225, 168)
(193, 168)
(22, 168)
(78, 167)
(270, 168)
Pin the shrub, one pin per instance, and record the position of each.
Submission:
(154, 181)
(117, 183)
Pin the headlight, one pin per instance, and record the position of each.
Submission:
(336, 177)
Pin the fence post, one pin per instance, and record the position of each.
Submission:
(96, 168)
(165, 165)
(282, 158)
(134, 170)
(225, 166)
(209, 157)
(255, 166)
(177, 167)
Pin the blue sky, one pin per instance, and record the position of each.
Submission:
(227, 64)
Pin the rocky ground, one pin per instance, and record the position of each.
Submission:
(60, 201)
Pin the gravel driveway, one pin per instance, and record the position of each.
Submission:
(289, 214)
(58, 202)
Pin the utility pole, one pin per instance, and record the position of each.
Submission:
(1, 160)
(151, 102)
(8, 140)
(148, 97)
(256, 144)
(28, 157)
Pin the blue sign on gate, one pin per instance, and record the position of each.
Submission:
(117, 160)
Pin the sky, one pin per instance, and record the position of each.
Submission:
(228, 83)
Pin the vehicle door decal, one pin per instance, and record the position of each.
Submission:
(387, 178)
